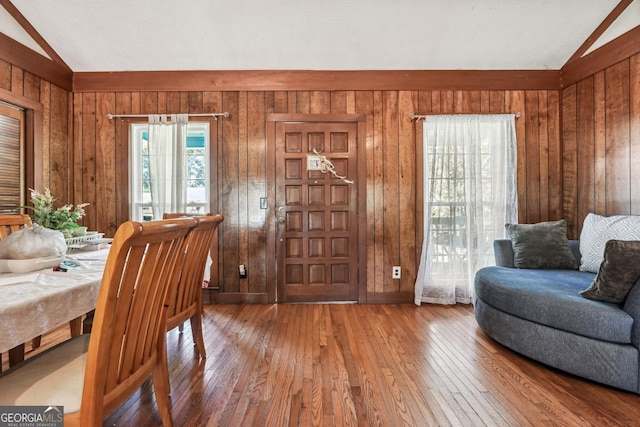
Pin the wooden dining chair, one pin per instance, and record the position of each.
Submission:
(182, 305)
(213, 251)
(10, 222)
(13, 222)
(92, 374)
(184, 301)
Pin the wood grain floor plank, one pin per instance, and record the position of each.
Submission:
(361, 365)
(366, 405)
(374, 366)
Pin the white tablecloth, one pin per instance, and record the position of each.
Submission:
(34, 303)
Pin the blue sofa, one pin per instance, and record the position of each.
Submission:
(540, 314)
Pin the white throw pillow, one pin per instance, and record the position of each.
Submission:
(597, 230)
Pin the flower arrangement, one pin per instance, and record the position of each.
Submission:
(64, 218)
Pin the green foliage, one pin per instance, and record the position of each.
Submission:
(43, 213)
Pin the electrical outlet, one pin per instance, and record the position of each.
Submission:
(395, 272)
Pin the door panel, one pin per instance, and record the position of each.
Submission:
(317, 233)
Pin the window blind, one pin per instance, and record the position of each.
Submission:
(11, 169)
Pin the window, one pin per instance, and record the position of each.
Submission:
(197, 167)
(469, 194)
(461, 185)
(11, 157)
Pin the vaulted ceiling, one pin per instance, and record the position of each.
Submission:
(143, 35)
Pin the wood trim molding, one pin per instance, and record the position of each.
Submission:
(615, 13)
(34, 161)
(619, 49)
(390, 298)
(26, 25)
(251, 80)
(270, 219)
(310, 118)
(21, 56)
(20, 101)
(363, 226)
(233, 298)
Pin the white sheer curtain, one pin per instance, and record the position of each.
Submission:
(167, 163)
(469, 194)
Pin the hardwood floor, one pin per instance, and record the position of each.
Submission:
(364, 365)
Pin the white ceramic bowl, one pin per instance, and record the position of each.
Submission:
(27, 265)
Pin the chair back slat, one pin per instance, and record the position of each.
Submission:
(187, 293)
(13, 222)
(184, 300)
(128, 336)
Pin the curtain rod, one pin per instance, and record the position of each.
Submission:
(214, 115)
(415, 116)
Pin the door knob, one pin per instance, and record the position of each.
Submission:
(280, 220)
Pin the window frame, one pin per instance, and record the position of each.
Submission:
(123, 159)
(33, 138)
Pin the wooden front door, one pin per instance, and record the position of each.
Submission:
(316, 213)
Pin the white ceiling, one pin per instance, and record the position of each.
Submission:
(143, 35)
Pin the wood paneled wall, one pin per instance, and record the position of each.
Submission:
(601, 137)
(394, 212)
(86, 165)
(577, 147)
(56, 106)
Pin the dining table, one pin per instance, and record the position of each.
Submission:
(35, 302)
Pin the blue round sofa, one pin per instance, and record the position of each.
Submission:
(541, 314)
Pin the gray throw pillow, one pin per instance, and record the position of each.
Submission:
(541, 245)
(618, 272)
